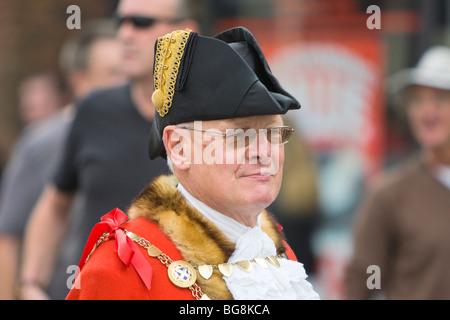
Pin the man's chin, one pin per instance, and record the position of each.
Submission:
(261, 197)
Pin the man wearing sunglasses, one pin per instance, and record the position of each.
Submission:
(141, 22)
(104, 163)
(203, 232)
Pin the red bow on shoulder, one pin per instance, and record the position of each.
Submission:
(126, 249)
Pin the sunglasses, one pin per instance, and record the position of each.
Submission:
(142, 22)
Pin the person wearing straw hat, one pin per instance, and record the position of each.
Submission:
(401, 247)
(203, 232)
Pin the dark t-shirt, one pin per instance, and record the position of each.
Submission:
(106, 162)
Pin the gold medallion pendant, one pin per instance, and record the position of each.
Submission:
(182, 274)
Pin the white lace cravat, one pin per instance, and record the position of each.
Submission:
(271, 283)
(286, 282)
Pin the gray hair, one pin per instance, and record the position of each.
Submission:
(170, 164)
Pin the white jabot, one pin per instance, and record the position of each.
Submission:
(287, 282)
(230, 227)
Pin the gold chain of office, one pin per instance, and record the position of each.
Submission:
(184, 275)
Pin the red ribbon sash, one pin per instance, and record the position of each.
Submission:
(125, 248)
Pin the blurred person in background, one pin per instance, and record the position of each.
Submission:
(105, 162)
(92, 60)
(89, 61)
(40, 97)
(403, 226)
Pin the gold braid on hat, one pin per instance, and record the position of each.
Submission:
(169, 51)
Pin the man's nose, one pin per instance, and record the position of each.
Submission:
(126, 30)
(260, 149)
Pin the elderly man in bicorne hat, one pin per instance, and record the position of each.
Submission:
(204, 233)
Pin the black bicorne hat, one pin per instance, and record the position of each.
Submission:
(206, 78)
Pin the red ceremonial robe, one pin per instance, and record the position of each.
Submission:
(161, 215)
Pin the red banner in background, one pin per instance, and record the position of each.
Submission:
(340, 88)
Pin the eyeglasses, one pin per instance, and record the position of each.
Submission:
(142, 22)
(244, 137)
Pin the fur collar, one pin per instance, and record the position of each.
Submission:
(198, 239)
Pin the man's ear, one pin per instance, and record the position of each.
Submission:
(177, 143)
